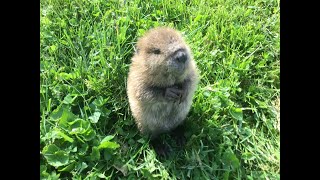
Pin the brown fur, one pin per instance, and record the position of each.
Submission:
(153, 72)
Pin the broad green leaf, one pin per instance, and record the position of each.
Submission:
(99, 101)
(108, 144)
(78, 126)
(124, 169)
(68, 99)
(95, 117)
(89, 134)
(55, 156)
(247, 156)
(231, 159)
(44, 175)
(83, 149)
(66, 118)
(50, 148)
(216, 102)
(81, 166)
(59, 158)
(75, 149)
(102, 176)
(68, 168)
(261, 104)
(53, 48)
(57, 113)
(50, 135)
(141, 140)
(43, 172)
(64, 136)
(236, 113)
(107, 138)
(54, 176)
(198, 17)
(67, 76)
(95, 154)
(73, 22)
(206, 93)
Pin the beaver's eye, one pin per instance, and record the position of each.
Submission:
(155, 51)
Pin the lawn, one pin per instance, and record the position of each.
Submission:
(86, 128)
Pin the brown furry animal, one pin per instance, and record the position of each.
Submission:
(161, 82)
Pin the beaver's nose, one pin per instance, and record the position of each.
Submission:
(181, 56)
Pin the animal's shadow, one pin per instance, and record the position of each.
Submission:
(201, 148)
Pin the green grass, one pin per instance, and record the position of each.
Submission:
(87, 130)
